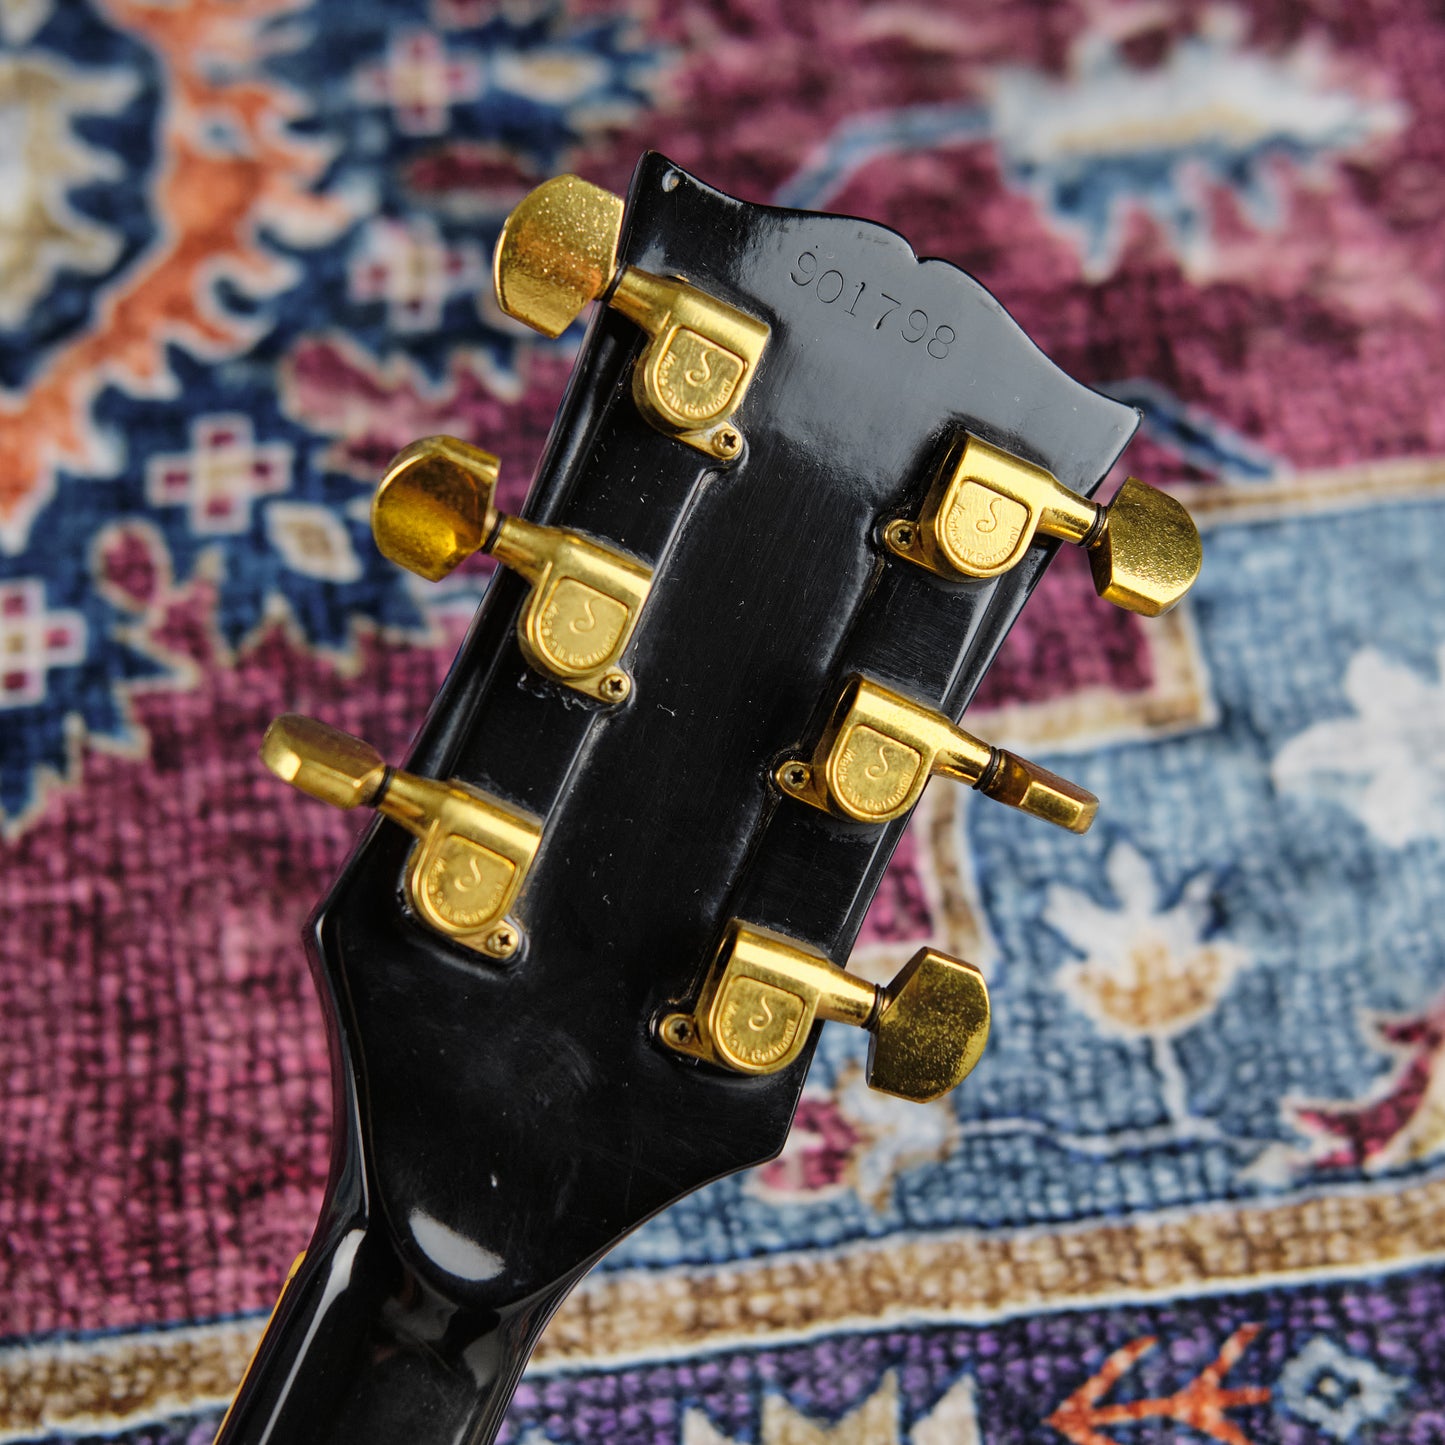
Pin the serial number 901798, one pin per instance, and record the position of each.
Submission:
(829, 285)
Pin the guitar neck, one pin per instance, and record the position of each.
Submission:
(361, 1352)
(361, 1349)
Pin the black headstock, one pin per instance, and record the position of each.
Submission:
(508, 1105)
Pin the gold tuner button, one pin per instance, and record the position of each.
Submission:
(558, 251)
(764, 992)
(434, 508)
(880, 748)
(985, 507)
(472, 851)
(1146, 552)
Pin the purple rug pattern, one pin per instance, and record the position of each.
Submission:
(1195, 1185)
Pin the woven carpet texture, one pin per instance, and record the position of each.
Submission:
(1196, 1189)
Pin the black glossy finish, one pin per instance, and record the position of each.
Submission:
(500, 1126)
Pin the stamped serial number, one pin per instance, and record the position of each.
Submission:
(830, 285)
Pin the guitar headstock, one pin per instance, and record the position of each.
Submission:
(800, 487)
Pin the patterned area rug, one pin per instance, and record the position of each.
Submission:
(1197, 1187)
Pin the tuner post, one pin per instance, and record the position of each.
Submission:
(764, 992)
(880, 748)
(558, 251)
(434, 508)
(986, 506)
(472, 852)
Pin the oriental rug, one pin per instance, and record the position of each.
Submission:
(1196, 1189)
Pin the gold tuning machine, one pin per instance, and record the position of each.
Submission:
(986, 505)
(764, 992)
(472, 852)
(434, 508)
(880, 748)
(558, 251)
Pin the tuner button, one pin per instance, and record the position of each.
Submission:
(1018, 783)
(322, 761)
(557, 252)
(473, 851)
(1147, 552)
(931, 1027)
(433, 508)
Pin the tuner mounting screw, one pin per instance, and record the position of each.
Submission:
(501, 942)
(677, 1030)
(727, 442)
(899, 536)
(614, 687)
(793, 775)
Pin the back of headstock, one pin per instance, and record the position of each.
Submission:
(791, 505)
